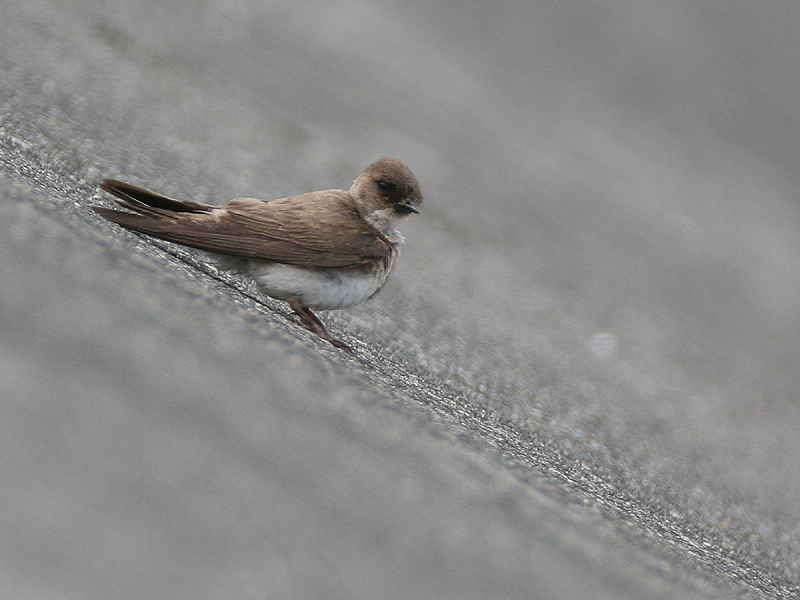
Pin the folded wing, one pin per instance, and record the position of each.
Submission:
(319, 229)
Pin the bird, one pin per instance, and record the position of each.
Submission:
(321, 250)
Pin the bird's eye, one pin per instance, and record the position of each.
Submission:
(383, 185)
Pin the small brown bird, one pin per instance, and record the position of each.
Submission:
(322, 250)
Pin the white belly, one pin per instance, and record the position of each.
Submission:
(323, 289)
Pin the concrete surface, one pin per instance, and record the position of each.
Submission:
(581, 381)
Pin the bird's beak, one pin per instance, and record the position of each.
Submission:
(409, 206)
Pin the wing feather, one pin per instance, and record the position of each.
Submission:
(295, 230)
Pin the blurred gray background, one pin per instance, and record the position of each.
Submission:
(580, 382)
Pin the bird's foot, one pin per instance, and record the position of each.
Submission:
(312, 323)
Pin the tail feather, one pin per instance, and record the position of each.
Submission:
(142, 200)
(152, 213)
(143, 223)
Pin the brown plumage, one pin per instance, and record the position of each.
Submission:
(289, 231)
(327, 249)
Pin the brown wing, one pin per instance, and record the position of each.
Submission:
(320, 229)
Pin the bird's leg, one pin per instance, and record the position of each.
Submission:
(311, 322)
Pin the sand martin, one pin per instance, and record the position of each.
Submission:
(320, 250)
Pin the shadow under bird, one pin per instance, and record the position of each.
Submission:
(320, 250)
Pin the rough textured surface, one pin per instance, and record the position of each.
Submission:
(581, 381)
